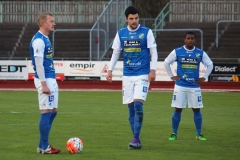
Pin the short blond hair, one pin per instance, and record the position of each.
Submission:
(42, 17)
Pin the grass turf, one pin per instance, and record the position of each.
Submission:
(101, 121)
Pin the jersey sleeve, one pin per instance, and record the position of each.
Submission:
(38, 47)
(171, 57)
(206, 60)
(116, 43)
(150, 39)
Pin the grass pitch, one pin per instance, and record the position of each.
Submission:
(101, 121)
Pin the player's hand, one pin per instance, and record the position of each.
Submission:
(175, 78)
(45, 88)
(152, 75)
(109, 76)
(200, 80)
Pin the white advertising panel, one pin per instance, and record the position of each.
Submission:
(82, 68)
(117, 71)
(14, 70)
(161, 74)
(17, 70)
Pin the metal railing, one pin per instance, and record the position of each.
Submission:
(217, 28)
(63, 11)
(111, 28)
(159, 22)
(198, 11)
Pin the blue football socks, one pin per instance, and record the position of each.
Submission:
(198, 122)
(53, 115)
(44, 129)
(138, 106)
(131, 113)
(176, 118)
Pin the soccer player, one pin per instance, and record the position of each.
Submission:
(187, 89)
(45, 80)
(137, 44)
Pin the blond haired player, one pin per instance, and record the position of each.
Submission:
(45, 80)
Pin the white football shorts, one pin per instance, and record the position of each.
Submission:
(134, 87)
(47, 101)
(183, 96)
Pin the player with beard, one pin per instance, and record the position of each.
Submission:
(137, 44)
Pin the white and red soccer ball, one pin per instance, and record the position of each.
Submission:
(74, 145)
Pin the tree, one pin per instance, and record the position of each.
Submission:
(149, 8)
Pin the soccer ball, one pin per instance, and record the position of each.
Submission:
(74, 145)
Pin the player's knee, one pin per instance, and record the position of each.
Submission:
(131, 104)
(54, 110)
(178, 109)
(196, 110)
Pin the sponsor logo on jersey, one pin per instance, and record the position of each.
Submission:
(198, 55)
(189, 66)
(184, 76)
(189, 60)
(49, 55)
(132, 50)
(132, 33)
(50, 50)
(132, 43)
(129, 64)
(141, 35)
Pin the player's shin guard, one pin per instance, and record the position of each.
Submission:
(131, 113)
(44, 129)
(176, 118)
(198, 122)
(138, 106)
(53, 115)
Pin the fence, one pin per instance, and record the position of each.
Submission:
(204, 11)
(63, 11)
(98, 50)
(198, 11)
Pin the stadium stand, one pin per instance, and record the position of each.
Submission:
(66, 44)
(71, 45)
(228, 46)
(168, 40)
(9, 36)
